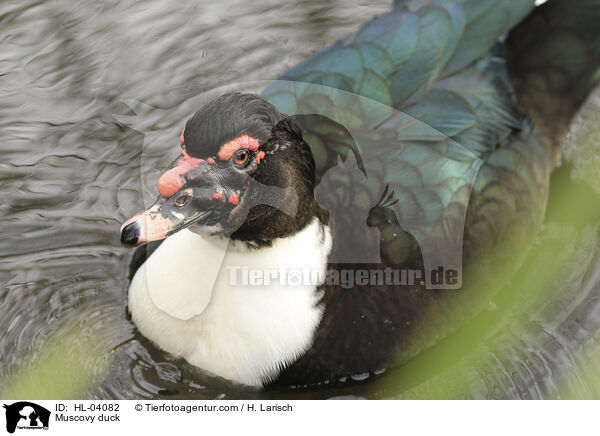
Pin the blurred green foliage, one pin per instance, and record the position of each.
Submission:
(64, 367)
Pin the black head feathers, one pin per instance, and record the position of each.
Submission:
(226, 118)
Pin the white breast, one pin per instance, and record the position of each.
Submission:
(242, 332)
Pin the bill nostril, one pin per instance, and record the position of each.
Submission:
(130, 235)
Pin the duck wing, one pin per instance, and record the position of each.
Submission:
(424, 100)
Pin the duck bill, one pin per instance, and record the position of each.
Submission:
(156, 223)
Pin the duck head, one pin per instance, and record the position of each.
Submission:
(244, 171)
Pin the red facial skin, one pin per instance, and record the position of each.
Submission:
(172, 181)
(228, 149)
(234, 199)
(153, 225)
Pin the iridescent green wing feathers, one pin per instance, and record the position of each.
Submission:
(411, 59)
(426, 99)
(427, 107)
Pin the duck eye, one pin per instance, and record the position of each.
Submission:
(241, 158)
(182, 200)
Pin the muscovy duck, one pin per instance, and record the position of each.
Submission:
(449, 116)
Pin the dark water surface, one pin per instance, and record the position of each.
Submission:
(71, 171)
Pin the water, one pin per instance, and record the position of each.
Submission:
(70, 175)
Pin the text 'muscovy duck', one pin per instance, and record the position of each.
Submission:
(422, 141)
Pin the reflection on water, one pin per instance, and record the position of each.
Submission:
(70, 176)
